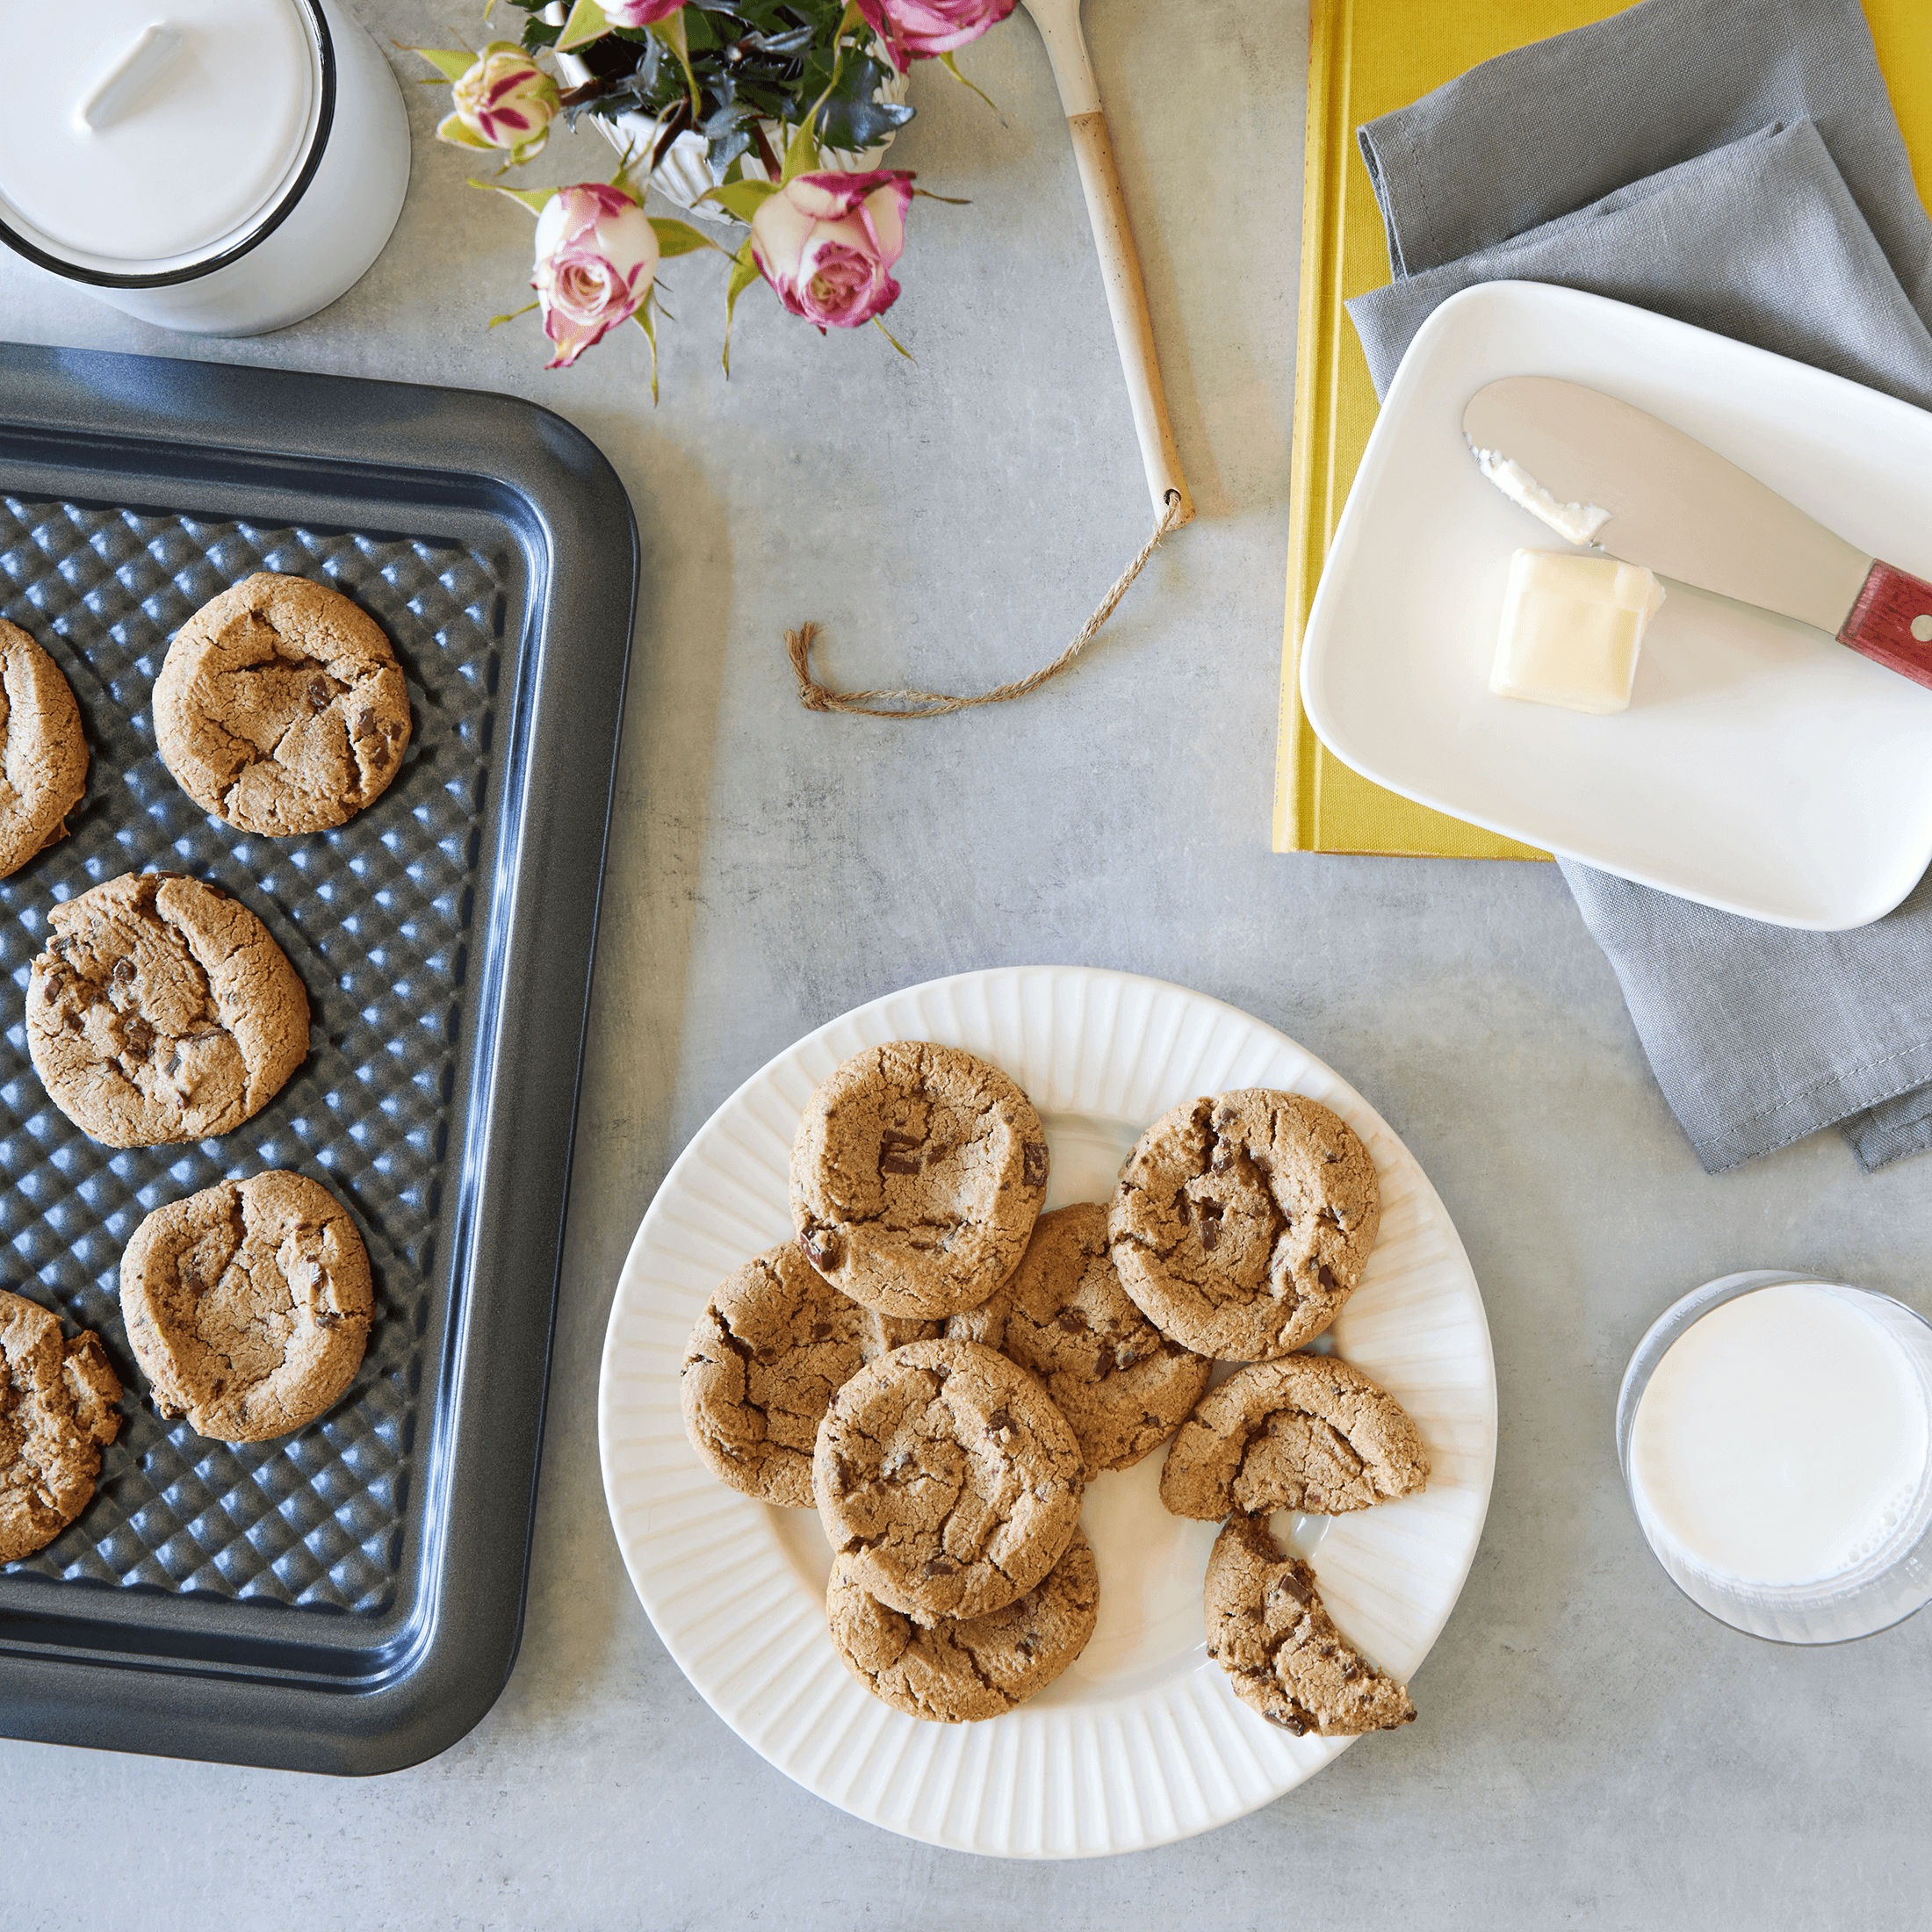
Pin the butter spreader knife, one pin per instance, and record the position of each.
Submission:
(1601, 472)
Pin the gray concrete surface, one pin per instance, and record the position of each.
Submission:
(1592, 1750)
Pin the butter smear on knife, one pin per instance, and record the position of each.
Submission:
(1578, 522)
(1572, 627)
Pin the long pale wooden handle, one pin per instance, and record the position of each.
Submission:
(1127, 302)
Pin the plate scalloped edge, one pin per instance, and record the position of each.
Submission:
(1096, 1772)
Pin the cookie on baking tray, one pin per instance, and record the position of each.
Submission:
(1266, 1628)
(162, 1011)
(957, 1671)
(1243, 1222)
(248, 1305)
(916, 1175)
(775, 1342)
(1305, 1432)
(43, 753)
(281, 708)
(59, 1406)
(1063, 1315)
(947, 1477)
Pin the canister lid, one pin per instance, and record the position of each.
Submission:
(144, 134)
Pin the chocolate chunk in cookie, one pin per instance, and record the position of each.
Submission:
(916, 1175)
(1306, 1432)
(1242, 1223)
(1266, 1628)
(1063, 1317)
(947, 1475)
(280, 707)
(248, 1305)
(958, 1671)
(59, 1406)
(43, 754)
(775, 1344)
(162, 1011)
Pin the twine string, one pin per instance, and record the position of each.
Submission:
(816, 696)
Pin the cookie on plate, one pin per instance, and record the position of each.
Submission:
(1305, 1432)
(59, 1406)
(916, 1175)
(248, 1305)
(1241, 1223)
(1266, 1628)
(1063, 1317)
(958, 1671)
(947, 1477)
(43, 753)
(162, 1011)
(775, 1342)
(281, 708)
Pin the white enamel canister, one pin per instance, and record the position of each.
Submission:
(223, 167)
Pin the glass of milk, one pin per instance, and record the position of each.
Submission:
(1776, 1432)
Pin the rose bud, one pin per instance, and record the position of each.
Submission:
(505, 100)
(825, 242)
(919, 30)
(638, 13)
(596, 258)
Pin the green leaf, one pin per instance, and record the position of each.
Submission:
(536, 200)
(451, 63)
(802, 153)
(453, 129)
(742, 199)
(952, 67)
(951, 201)
(895, 342)
(671, 32)
(642, 317)
(587, 22)
(679, 238)
(743, 273)
(512, 314)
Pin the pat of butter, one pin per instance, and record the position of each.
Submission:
(1572, 627)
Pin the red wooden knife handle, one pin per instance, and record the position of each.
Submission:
(1892, 624)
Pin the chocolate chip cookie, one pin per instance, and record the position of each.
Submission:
(947, 1477)
(280, 707)
(1306, 1432)
(916, 1175)
(959, 1671)
(162, 1011)
(1063, 1317)
(43, 754)
(775, 1342)
(59, 1406)
(1266, 1628)
(248, 1305)
(1242, 1223)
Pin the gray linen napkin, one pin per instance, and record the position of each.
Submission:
(1735, 164)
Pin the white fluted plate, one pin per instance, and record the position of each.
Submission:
(1142, 1741)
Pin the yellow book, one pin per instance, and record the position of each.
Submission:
(1366, 58)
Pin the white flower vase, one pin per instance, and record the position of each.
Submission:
(686, 172)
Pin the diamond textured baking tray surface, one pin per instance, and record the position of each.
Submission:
(347, 1597)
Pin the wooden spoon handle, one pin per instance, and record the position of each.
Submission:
(1891, 623)
(1127, 302)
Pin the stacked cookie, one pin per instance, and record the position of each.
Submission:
(162, 1011)
(941, 1370)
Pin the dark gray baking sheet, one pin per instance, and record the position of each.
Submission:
(347, 1598)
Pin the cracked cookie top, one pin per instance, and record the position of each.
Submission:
(248, 1305)
(280, 707)
(43, 753)
(948, 1478)
(1306, 1432)
(60, 1405)
(1266, 1628)
(775, 1344)
(916, 1174)
(1063, 1315)
(959, 1671)
(163, 1011)
(1241, 1223)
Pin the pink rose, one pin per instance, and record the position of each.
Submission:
(504, 100)
(638, 13)
(919, 30)
(596, 258)
(825, 242)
